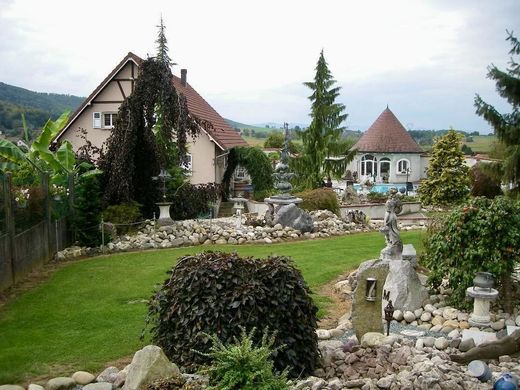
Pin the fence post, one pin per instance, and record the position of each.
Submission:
(71, 206)
(48, 222)
(9, 216)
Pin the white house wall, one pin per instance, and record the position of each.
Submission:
(418, 164)
(202, 151)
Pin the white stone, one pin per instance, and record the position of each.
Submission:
(478, 336)
(398, 315)
(441, 343)
(450, 313)
(454, 334)
(408, 316)
(517, 320)
(83, 377)
(418, 312)
(429, 341)
(34, 386)
(429, 308)
(60, 383)
(108, 374)
(323, 334)
(149, 364)
(372, 339)
(426, 316)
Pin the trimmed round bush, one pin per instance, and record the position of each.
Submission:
(221, 294)
(319, 199)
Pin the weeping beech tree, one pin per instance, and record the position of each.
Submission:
(150, 133)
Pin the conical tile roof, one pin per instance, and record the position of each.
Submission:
(387, 135)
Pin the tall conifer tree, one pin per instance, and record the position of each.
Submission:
(507, 126)
(322, 138)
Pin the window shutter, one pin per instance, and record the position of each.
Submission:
(96, 120)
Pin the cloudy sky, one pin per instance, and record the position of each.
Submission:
(425, 59)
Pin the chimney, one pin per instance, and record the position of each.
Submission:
(184, 73)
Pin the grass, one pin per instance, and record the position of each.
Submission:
(91, 312)
(482, 143)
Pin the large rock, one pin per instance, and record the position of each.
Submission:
(406, 291)
(366, 315)
(294, 217)
(149, 364)
(109, 374)
(60, 383)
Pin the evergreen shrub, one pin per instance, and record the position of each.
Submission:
(483, 184)
(87, 207)
(123, 214)
(480, 235)
(221, 294)
(244, 366)
(319, 199)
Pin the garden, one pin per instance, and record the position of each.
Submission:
(252, 303)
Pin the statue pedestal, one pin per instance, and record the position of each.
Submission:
(164, 213)
(480, 317)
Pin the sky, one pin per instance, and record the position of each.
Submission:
(425, 59)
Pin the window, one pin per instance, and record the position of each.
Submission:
(96, 120)
(402, 166)
(109, 120)
(384, 167)
(368, 165)
(188, 164)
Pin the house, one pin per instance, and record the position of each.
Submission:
(386, 152)
(95, 118)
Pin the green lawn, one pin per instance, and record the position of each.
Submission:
(89, 312)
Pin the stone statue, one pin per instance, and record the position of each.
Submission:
(508, 345)
(394, 245)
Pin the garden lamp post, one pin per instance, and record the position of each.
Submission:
(389, 315)
(407, 174)
(164, 206)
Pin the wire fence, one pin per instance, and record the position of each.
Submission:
(34, 224)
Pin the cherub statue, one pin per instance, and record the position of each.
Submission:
(394, 245)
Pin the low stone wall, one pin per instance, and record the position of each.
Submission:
(377, 210)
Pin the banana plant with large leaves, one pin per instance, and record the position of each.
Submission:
(57, 163)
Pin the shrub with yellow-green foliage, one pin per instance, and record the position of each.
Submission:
(319, 199)
(448, 177)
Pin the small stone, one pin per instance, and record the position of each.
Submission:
(429, 341)
(462, 316)
(83, 377)
(517, 320)
(60, 383)
(398, 315)
(33, 386)
(418, 312)
(419, 344)
(385, 382)
(323, 334)
(335, 384)
(441, 343)
(454, 343)
(408, 316)
(372, 339)
(436, 328)
(426, 316)
(98, 386)
(429, 308)
(425, 326)
(438, 320)
(466, 345)
(454, 334)
(446, 329)
(498, 325)
(108, 374)
(451, 323)
(464, 325)
(11, 387)
(505, 359)
(450, 313)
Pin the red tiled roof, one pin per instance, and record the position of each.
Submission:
(387, 135)
(222, 133)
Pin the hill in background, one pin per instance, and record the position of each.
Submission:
(38, 107)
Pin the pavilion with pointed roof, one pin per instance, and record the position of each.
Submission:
(387, 153)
